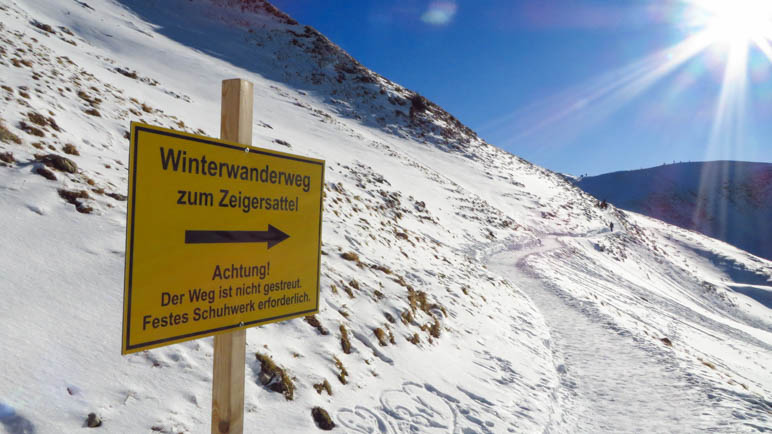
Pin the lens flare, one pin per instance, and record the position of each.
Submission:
(440, 13)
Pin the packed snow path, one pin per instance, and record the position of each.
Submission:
(609, 383)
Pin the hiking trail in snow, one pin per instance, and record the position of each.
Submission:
(609, 383)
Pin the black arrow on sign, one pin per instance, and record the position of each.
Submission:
(272, 236)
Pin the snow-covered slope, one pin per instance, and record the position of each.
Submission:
(727, 200)
(416, 333)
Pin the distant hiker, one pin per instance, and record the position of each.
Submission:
(611, 225)
(603, 204)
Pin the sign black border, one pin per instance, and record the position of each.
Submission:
(136, 129)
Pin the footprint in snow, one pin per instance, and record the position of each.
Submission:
(413, 408)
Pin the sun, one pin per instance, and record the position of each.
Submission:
(735, 22)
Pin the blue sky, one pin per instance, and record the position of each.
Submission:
(575, 86)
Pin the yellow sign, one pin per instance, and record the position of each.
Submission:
(219, 236)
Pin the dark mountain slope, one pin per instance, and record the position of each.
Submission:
(727, 200)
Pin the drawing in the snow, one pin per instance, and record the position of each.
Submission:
(462, 288)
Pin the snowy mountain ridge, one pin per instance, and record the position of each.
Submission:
(727, 200)
(438, 251)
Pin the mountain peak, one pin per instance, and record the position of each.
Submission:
(307, 59)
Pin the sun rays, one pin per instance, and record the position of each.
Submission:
(717, 41)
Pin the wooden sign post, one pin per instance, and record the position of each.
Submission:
(220, 236)
(230, 348)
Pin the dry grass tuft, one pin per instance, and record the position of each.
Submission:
(127, 73)
(70, 149)
(45, 173)
(417, 299)
(72, 195)
(324, 386)
(401, 281)
(52, 123)
(29, 129)
(382, 268)
(44, 27)
(381, 335)
(37, 118)
(274, 377)
(348, 290)
(415, 339)
(342, 372)
(350, 256)
(7, 157)
(7, 136)
(57, 162)
(314, 322)
(407, 317)
(345, 343)
(75, 197)
(92, 101)
(434, 328)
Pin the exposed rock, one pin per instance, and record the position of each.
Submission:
(93, 421)
(58, 162)
(322, 419)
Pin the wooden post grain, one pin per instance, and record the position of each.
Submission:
(230, 348)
